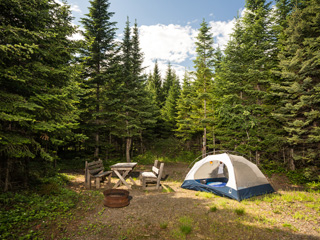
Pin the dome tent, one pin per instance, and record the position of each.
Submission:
(227, 175)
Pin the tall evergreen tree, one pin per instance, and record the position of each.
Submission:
(37, 95)
(156, 84)
(168, 81)
(242, 85)
(133, 112)
(169, 110)
(184, 124)
(204, 64)
(97, 57)
(299, 88)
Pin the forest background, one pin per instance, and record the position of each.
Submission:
(64, 102)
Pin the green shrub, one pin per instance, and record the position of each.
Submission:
(313, 186)
(272, 167)
(166, 150)
(19, 210)
(49, 189)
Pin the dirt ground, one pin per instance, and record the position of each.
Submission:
(162, 214)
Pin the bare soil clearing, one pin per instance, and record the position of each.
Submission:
(165, 214)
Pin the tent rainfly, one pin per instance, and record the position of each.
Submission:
(227, 175)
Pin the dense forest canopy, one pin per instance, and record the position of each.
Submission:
(64, 100)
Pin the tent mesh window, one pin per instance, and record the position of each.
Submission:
(211, 170)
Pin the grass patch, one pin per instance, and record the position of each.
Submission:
(288, 225)
(297, 197)
(239, 211)
(24, 214)
(21, 211)
(205, 194)
(314, 186)
(213, 208)
(167, 189)
(185, 225)
(163, 225)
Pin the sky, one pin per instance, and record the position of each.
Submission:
(168, 28)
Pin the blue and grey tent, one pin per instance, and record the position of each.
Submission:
(227, 175)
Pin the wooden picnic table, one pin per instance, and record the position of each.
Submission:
(122, 170)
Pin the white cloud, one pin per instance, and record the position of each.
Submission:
(75, 8)
(176, 44)
(78, 35)
(221, 32)
(167, 43)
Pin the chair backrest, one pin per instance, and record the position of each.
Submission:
(94, 167)
(160, 171)
(157, 170)
(156, 163)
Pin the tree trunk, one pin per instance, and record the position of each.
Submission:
(188, 145)
(107, 148)
(26, 173)
(292, 167)
(141, 144)
(204, 143)
(96, 152)
(213, 141)
(128, 147)
(284, 155)
(7, 176)
(257, 158)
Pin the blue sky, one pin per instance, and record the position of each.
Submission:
(151, 12)
(168, 27)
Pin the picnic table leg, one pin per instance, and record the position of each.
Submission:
(122, 178)
(98, 183)
(133, 182)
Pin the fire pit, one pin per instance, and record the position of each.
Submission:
(116, 198)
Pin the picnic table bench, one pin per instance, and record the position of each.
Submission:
(151, 180)
(95, 171)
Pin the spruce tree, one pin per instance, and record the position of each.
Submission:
(97, 56)
(299, 89)
(156, 85)
(37, 94)
(242, 85)
(133, 109)
(204, 63)
(169, 110)
(184, 126)
(168, 81)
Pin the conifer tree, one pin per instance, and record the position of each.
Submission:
(156, 84)
(203, 83)
(97, 56)
(168, 81)
(299, 89)
(242, 85)
(37, 94)
(133, 109)
(169, 110)
(184, 126)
